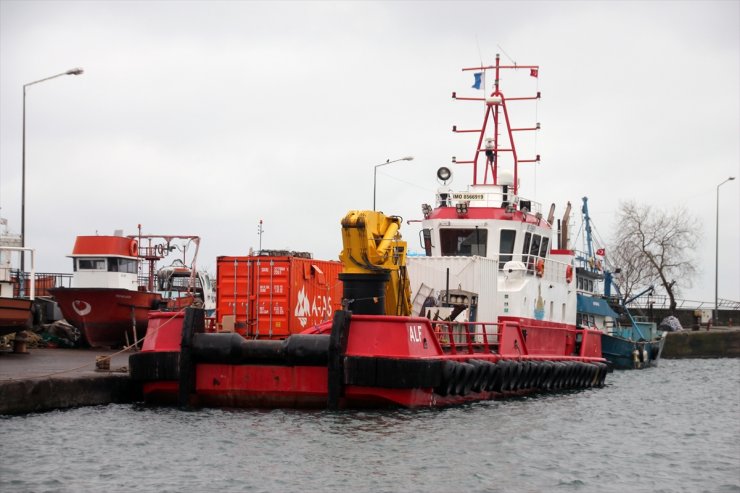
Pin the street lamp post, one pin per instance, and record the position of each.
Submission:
(375, 172)
(716, 257)
(74, 71)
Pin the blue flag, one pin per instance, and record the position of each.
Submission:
(476, 84)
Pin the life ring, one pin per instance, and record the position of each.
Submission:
(540, 267)
(569, 274)
(133, 248)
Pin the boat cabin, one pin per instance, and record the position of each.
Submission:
(177, 282)
(105, 262)
(593, 309)
(498, 246)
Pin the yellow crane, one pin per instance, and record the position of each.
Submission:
(374, 259)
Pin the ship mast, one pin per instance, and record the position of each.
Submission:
(496, 112)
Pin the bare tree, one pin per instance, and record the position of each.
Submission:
(658, 247)
(630, 269)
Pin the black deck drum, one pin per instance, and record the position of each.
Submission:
(364, 294)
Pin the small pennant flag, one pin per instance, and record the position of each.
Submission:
(534, 72)
(600, 251)
(477, 83)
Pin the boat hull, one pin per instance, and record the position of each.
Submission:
(620, 352)
(15, 315)
(356, 361)
(106, 317)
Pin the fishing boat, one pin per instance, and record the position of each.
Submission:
(16, 305)
(489, 311)
(16, 309)
(626, 341)
(117, 281)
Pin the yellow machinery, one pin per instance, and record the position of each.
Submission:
(374, 259)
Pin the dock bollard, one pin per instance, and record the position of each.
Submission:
(19, 342)
(102, 363)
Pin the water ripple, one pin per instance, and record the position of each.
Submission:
(673, 428)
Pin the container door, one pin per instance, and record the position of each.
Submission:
(316, 292)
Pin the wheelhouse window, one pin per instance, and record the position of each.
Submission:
(122, 265)
(534, 246)
(543, 246)
(586, 284)
(506, 246)
(463, 242)
(534, 249)
(90, 264)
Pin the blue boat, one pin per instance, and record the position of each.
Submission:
(627, 342)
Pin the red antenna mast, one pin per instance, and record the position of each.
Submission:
(495, 108)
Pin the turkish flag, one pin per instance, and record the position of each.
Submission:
(534, 72)
(600, 251)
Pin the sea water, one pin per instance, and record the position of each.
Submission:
(667, 429)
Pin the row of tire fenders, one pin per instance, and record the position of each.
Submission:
(476, 375)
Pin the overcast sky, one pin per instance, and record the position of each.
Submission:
(202, 118)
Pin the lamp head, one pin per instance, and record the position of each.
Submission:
(407, 158)
(444, 174)
(75, 71)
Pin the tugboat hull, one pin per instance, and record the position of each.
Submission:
(356, 361)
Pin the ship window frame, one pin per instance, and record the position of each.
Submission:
(426, 241)
(124, 265)
(544, 246)
(452, 240)
(527, 241)
(534, 248)
(97, 264)
(506, 256)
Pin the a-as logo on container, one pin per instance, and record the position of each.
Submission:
(302, 307)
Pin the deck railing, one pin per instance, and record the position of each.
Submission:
(467, 337)
(44, 282)
(663, 302)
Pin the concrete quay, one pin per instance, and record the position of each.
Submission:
(47, 379)
(720, 342)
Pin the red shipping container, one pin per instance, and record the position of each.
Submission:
(272, 297)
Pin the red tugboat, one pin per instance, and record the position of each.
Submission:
(493, 311)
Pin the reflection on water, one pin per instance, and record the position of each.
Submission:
(671, 428)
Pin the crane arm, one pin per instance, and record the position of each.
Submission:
(372, 244)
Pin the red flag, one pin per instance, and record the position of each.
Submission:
(600, 251)
(534, 72)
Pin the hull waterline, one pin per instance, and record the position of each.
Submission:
(624, 354)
